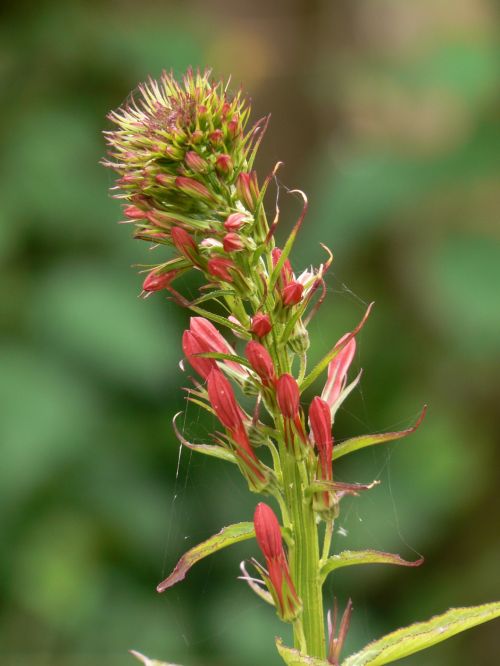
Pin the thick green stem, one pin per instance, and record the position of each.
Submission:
(304, 559)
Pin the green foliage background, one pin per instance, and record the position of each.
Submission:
(386, 114)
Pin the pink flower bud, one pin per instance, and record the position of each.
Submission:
(219, 268)
(278, 580)
(156, 281)
(196, 136)
(190, 346)
(337, 371)
(224, 164)
(261, 362)
(232, 242)
(247, 188)
(164, 179)
(233, 127)
(234, 222)
(212, 341)
(221, 397)
(183, 242)
(216, 137)
(267, 531)
(288, 396)
(320, 419)
(193, 188)
(195, 162)
(261, 324)
(134, 213)
(292, 293)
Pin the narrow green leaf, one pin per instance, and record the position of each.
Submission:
(419, 636)
(322, 365)
(222, 321)
(294, 657)
(350, 557)
(149, 662)
(356, 443)
(226, 537)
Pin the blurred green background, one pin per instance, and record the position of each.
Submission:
(386, 114)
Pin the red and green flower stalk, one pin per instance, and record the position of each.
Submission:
(184, 153)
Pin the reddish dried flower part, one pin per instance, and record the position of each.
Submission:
(191, 345)
(235, 221)
(219, 268)
(193, 187)
(232, 242)
(195, 162)
(221, 397)
(320, 419)
(261, 361)
(288, 396)
(216, 137)
(183, 242)
(267, 532)
(134, 213)
(337, 371)
(224, 164)
(156, 281)
(292, 293)
(261, 324)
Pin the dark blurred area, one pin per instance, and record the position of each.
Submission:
(387, 114)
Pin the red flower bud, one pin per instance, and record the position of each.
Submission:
(183, 242)
(216, 137)
(286, 270)
(212, 341)
(224, 164)
(221, 397)
(232, 242)
(233, 127)
(292, 293)
(261, 362)
(288, 396)
(164, 179)
(247, 188)
(337, 371)
(320, 419)
(195, 162)
(155, 281)
(261, 324)
(234, 222)
(219, 268)
(190, 346)
(134, 213)
(267, 531)
(193, 187)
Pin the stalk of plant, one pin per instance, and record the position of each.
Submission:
(184, 152)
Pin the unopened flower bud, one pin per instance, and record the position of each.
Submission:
(247, 188)
(184, 244)
(232, 242)
(261, 324)
(337, 371)
(221, 397)
(224, 164)
(156, 281)
(191, 346)
(235, 221)
(164, 179)
(288, 396)
(286, 274)
(196, 136)
(193, 188)
(219, 268)
(216, 137)
(299, 339)
(261, 362)
(233, 127)
(320, 419)
(292, 293)
(195, 162)
(134, 213)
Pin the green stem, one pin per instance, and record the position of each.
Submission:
(304, 560)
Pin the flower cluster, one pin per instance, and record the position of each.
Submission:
(184, 158)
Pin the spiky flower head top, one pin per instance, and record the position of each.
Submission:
(184, 157)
